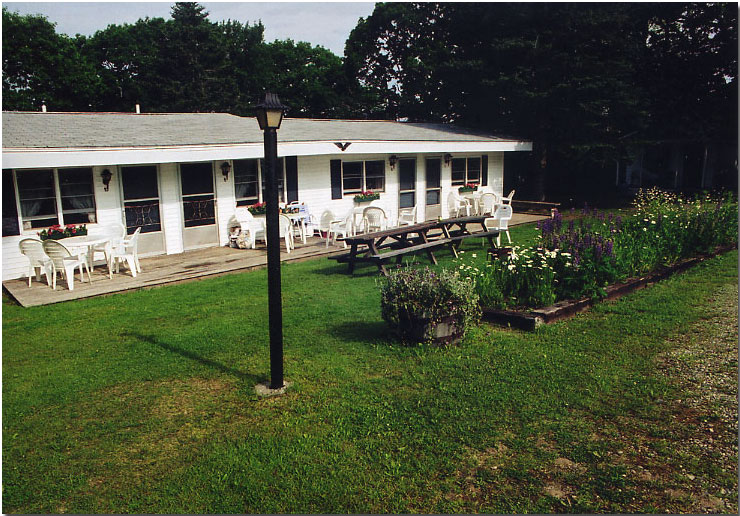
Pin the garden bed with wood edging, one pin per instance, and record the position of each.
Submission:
(532, 319)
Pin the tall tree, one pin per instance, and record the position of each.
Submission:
(690, 71)
(560, 74)
(41, 65)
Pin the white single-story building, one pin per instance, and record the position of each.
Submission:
(166, 174)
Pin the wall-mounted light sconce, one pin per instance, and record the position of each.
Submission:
(393, 160)
(106, 176)
(448, 158)
(225, 169)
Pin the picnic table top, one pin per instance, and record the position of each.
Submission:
(413, 228)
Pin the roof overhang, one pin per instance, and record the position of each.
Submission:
(75, 157)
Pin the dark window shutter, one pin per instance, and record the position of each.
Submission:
(291, 177)
(10, 211)
(336, 179)
(484, 170)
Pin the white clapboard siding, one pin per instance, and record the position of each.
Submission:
(314, 189)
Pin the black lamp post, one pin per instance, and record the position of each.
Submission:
(269, 115)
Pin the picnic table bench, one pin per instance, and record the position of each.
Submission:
(379, 247)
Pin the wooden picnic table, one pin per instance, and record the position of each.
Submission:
(380, 246)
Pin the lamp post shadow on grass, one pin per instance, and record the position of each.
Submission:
(247, 377)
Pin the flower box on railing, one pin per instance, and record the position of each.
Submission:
(58, 232)
(470, 187)
(367, 196)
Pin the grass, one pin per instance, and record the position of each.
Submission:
(144, 402)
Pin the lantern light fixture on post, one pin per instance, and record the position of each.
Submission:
(269, 116)
(106, 175)
(392, 161)
(225, 169)
(448, 158)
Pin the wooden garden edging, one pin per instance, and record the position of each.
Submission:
(564, 309)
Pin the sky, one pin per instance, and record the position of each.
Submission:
(327, 24)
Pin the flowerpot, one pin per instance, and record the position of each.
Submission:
(438, 333)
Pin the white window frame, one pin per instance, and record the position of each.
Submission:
(261, 184)
(363, 176)
(467, 179)
(57, 198)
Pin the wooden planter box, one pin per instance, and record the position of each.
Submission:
(443, 333)
(564, 309)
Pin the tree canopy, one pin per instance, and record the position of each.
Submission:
(577, 79)
(581, 81)
(184, 64)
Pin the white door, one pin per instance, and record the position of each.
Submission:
(141, 206)
(433, 195)
(198, 205)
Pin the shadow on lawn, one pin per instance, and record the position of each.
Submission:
(368, 332)
(205, 361)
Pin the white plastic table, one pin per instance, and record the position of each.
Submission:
(86, 245)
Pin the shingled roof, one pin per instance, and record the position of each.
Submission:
(38, 130)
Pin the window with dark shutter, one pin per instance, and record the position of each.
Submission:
(291, 178)
(336, 178)
(484, 170)
(10, 208)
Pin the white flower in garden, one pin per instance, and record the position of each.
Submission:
(474, 255)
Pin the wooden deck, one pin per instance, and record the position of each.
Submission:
(175, 268)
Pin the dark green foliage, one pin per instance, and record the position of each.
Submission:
(40, 65)
(184, 64)
(580, 80)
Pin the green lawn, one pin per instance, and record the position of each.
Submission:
(144, 402)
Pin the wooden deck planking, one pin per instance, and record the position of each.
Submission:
(176, 268)
(161, 270)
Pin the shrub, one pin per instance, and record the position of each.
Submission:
(425, 294)
(595, 249)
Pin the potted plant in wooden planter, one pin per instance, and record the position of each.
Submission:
(429, 306)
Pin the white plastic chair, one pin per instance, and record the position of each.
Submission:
(64, 262)
(456, 204)
(407, 216)
(508, 198)
(374, 219)
(116, 233)
(500, 221)
(487, 203)
(343, 228)
(324, 226)
(127, 251)
(33, 249)
(286, 232)
(251, 227)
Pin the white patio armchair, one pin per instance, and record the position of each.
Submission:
(487, 203)
(374, 219)
(500, 222)
(343, 228)
(508, 198)
(33, 249)
(324, 225)
(127, 251)
(407, 216)
(115, 232)
(286, 232)
(65, 263)
(457, 205)
(250, 227)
